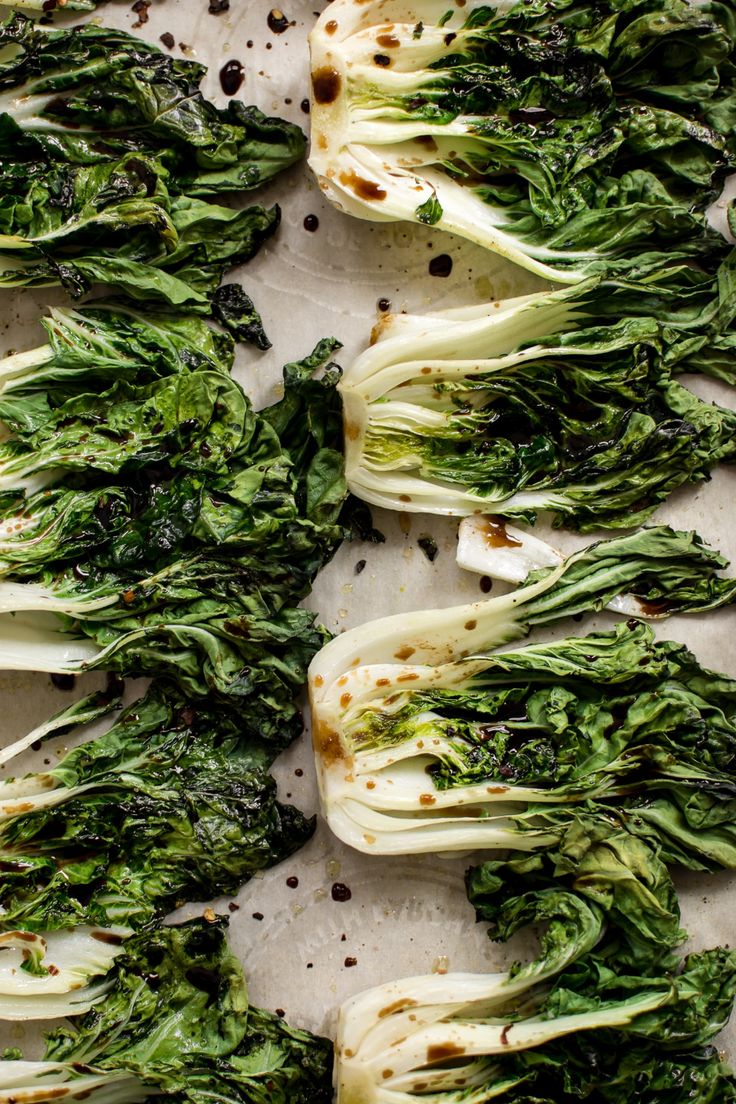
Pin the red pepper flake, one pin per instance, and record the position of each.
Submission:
(168, 40)
(128, 596)
(257, 915)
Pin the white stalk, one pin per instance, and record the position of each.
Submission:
(23, 364)
(400, 1042)
(51, 1083)
(492, 547)
(27, 597)
(76, 961)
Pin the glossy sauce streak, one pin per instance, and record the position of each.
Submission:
(388, 41)
(655, 608)
(364, 189)
(495, 535)
(108, 937)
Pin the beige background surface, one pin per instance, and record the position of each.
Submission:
(405, 915)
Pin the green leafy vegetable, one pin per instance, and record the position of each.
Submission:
(113, 343)
(567, 137)
(170, 805)
(426, 742)
(176, 1020)
(573, 1023)
(190, 563)
(110, 159)
(553, 401)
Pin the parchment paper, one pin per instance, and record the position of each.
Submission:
(304, 952)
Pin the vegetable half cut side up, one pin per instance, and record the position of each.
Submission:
(558, 136)
(417, 736)
(565, 401)
(605, 1001)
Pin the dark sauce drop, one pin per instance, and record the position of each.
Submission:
(340, 892)
(304, 105)
(486, 584)
(311, 223)
(326, 84)
(277, 21)
(440, 265)
(384, 305)
(350, 961)
(115, 686)
(292, 882)
(207, 981)
(63, 682)
(231, 76)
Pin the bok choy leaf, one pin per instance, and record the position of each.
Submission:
(425, 740)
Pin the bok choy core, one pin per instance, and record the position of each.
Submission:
(111, 162)
(566, 402)
(567, 137)
(425, 741)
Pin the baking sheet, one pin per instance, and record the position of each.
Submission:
(303, 951)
